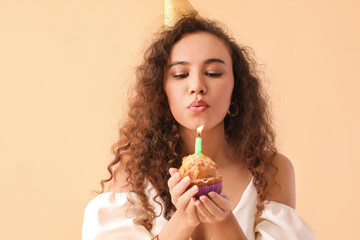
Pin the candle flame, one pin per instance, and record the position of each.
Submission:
(199, 130)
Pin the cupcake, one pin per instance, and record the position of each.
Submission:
(202, 172)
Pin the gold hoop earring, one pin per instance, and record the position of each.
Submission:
(235, 110)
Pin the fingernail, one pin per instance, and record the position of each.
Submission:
(212, 194)
(177, 175)
(203, 198)
(187, 179)
(194, 188)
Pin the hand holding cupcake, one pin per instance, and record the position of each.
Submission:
(201, 170)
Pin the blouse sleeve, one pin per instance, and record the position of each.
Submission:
(281, 222)
(110, 216)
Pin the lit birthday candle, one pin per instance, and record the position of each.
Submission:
(198, 141)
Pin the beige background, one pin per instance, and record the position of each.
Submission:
(65, 66)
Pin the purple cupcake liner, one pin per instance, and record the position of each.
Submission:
(204, 190)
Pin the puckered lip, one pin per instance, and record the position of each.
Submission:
(198, 103)
(198, 106)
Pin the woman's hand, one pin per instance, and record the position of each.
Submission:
(215, 212)
(213, 209)
(183, 199)
(183, 222)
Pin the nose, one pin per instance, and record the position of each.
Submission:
(197, 85)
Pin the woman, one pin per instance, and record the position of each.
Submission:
(194, 74)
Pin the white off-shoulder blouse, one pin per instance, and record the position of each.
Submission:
(109, 216)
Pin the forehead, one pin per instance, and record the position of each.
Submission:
(199, 46)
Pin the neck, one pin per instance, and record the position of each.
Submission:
(214, 144)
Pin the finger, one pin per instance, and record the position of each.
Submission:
(172, 171)
(179, 188)
(221, 201)
(191, 206)
(211, 207)
(201, 217)
(173, 180)
(205, 215)
(184, 199)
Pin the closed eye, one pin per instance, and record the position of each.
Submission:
(181, 76)
(214, 75)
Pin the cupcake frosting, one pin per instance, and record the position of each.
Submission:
(201, 170)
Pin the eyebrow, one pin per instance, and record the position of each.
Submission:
(208, 61)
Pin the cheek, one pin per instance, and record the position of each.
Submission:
(229, 89)
(174, 96)
(224, 98)
(170, 93)
(225, 91)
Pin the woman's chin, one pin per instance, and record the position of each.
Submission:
(195, 124)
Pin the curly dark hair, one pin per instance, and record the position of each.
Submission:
(149, 140)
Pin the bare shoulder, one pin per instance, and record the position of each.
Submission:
(118, 183)
(282, 190)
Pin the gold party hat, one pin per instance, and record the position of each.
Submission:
(175, 9)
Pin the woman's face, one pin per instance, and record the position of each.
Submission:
(199, 80)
